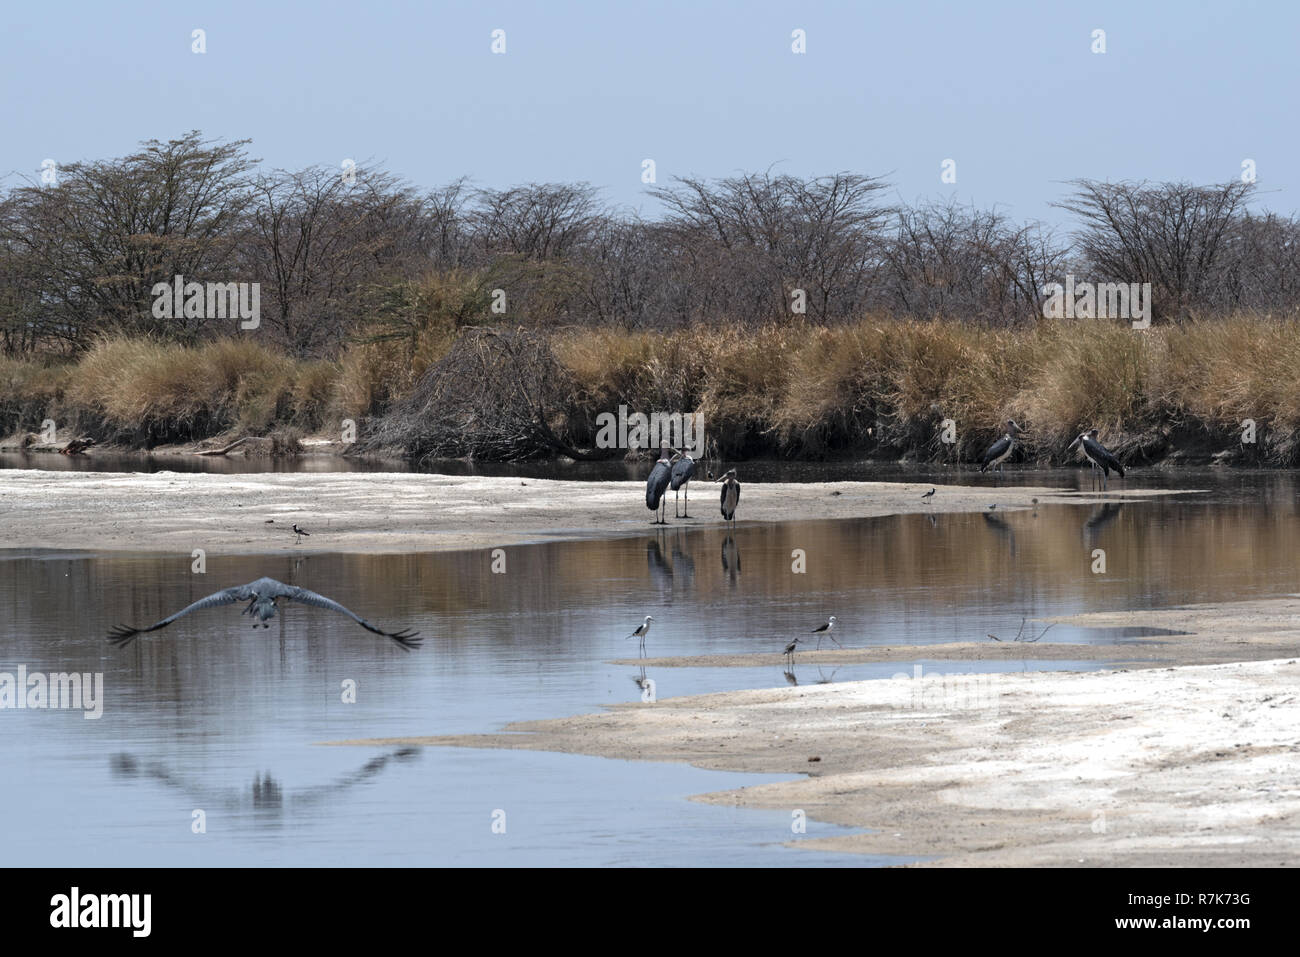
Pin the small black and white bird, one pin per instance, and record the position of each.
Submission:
(730, 496)
(682, 473)
(1097, 455)
(300, 532)
(261, 596)
(641, 631)
(929, 495)
(789, 650)
(1001, 450)
(824, 631)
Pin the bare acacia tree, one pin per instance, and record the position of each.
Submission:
(1171, 235)
(961, 262)
(539, 221)
(318, 240)
(745, 243)
(99, 241)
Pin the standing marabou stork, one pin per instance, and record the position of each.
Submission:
(657, 483)
(730, 496)
(1001, 450)
(1097, 455)
(682, 473)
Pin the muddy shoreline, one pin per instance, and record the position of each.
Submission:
(1148, 765)
(1185, 754)
(399, 512)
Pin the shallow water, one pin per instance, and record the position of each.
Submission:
(209, 714)
(1226, 480)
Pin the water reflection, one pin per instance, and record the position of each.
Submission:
(1098, 519)
(205, 702)
(1002, 529)
(266, 794)
(731, 559)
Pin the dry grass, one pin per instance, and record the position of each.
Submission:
(877, 386)
(886, 386)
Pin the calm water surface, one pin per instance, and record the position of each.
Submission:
(210, 715)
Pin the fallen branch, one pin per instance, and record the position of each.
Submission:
(223, 451)
(77, 446)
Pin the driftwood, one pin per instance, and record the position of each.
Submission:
(77, 446)
(225, 449)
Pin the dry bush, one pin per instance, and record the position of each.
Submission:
(159, 392)
(498, 394)
(30, 391)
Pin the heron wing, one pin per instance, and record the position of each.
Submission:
(406, 638)
(125, 634)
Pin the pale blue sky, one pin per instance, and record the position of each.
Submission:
(586, 91)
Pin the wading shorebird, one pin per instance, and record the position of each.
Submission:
(300, 532)
(1001, 450)
(929, 495)
(641, 632)
(261, 596)
(682, 474)
(657, 483)
(789, 650)
(824, 631)
(1100, 457)
(730, 496)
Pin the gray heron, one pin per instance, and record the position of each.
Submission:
(657, 483)
(641, 631)
(1100, 457)
(261, 596)
(824, 631)
(682, 473)
(300, 532)
(1001, 450)
(730, 496)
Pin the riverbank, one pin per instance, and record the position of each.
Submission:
(385, 512)
(1213, 391)
(1191, 765)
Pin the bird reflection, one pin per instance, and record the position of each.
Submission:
(266, 794)
(822, 679)
(1099, 518)
(646, 685)
(790, 678)
(1003, 530)
(670, 574)
(661, 573)
(731, 559)
(683, 563)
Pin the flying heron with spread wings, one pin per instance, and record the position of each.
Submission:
(261, 596)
